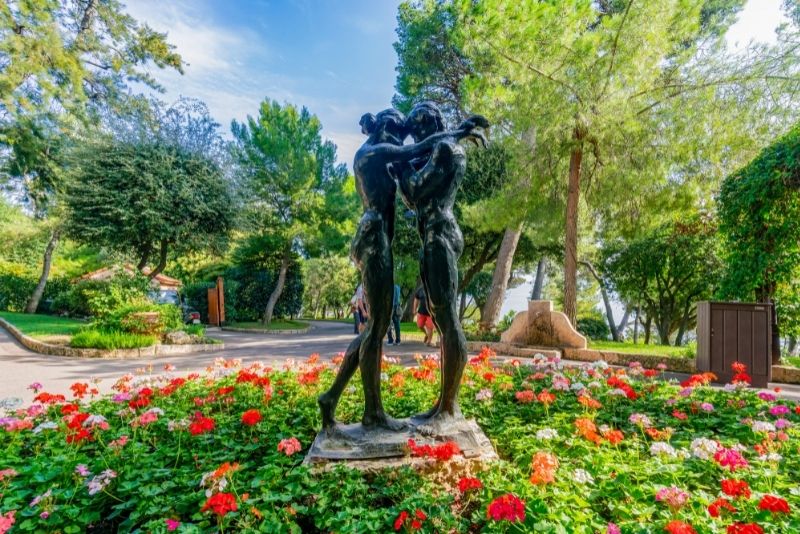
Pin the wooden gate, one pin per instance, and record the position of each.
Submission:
(729, 332)
(216, 304)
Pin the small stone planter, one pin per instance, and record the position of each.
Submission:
(145, 352)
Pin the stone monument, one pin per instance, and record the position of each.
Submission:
(428, 173)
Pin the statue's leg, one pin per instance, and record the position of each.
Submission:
(440, 263)
(328, 400)
(423, 275)
(378, 280)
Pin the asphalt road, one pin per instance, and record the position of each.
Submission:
(20, 367)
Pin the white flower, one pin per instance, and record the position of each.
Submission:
(484, 395)
(704, 448)
(94, 420)
(617, 392)
(47, 425)
(595, 384)
(771, 457)
(662, 448)
(582, 476)
(577, 386)
(546, 433)
(762, 426)
(384, 377)
(600, 364)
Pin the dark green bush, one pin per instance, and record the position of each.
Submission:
(593, 328)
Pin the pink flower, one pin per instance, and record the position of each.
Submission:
(118, 443)
(36, 386)
(779, 410)
(172, 524)
(6, 521)
(730, 458)
(766, 396)
(612, 528)
(673, 496)
(289, 446)
(707, 407)
(82, 470)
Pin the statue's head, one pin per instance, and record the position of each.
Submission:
(424, 120)
(386, 127)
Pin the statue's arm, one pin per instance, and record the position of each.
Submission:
(430, 177)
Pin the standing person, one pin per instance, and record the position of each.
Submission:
(355, 312)
(361, 306)
(397, 312)
(424, 319)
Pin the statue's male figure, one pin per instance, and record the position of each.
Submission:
(372, 253)
(431, 191)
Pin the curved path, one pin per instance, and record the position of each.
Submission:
(20, 367)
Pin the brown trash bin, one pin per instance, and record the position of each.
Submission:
(728, 332)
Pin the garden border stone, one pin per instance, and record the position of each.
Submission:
(145, 352)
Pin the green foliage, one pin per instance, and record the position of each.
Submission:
(161, 455)
(593, 327)
(99, 298)
(143, 318)
(628, 347)
(329, 284)
(667, 271)
(110, 340)
(67, 55)
(17, 283)
(150, 191)
(759, 214)
(255, 287)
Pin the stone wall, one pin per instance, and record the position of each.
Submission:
(541, 326)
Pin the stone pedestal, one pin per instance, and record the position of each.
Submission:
(377, 448)
(542, 327)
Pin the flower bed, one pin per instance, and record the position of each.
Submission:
(583, 450)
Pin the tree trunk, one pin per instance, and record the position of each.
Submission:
(623, 323)
(684, 323)
(648, 324)
(538, 283)
(276, 293)
(47, 261)
(636, 324)
(571, 233)
(612, 325)
(792, 346)
(502, 271)
(145, 257)
(408, 308)
(462, 305)
(162, 260)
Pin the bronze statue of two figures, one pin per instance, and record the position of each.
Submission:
(427, 174)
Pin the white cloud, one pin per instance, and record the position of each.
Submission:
(756, 22)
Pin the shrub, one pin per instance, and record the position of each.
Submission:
(132, 319)
(110, 340)
(98, 298)
(593, 328)
(16, 286)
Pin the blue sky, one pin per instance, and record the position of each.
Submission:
(334, 57)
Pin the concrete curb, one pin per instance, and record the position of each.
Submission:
(269, 332)
(145, 352)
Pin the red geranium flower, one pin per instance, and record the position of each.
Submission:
(716, 507)
(679, 527)
(744, 528)
(398, 523)
(201, 424)
(221, 504)
(774, 504)
(507, 507)
(441, 452)
(735, 488)
(466, 484)
(69, 408)
(79, 389)
(251, 417)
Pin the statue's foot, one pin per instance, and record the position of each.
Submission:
(381, 420)
(440, 422)
(423, 417)
(327, 407)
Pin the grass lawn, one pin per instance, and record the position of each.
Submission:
(277, 324)
(640, 348)
(43, 326)
(794, 361)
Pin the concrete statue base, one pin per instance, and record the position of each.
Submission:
(379, 448)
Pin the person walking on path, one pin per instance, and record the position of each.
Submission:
(397, 312)
(424, 319)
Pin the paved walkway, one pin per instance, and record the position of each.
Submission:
(20, 367)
